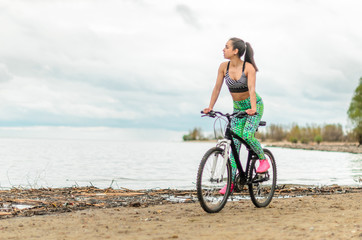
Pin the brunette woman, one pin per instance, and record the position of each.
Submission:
(240, 75)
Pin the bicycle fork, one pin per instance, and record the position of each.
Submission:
(225, 144)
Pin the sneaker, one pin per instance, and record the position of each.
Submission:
(263, 166)
(223, 190)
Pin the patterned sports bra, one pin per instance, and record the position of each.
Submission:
(237, 86)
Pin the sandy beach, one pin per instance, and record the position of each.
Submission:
(336, 215)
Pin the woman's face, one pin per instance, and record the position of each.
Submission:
(228, 50)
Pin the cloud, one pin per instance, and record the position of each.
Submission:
(4, 73)
(154, 63)
(187, 15)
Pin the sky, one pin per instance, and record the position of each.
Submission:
(152, 64)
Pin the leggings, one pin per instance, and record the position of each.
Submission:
(246, 128)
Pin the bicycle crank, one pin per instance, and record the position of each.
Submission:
(238, 184)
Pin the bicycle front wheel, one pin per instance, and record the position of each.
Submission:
(262, 185)
(213, 174)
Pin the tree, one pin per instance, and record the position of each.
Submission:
(275, 132)
(195, 134)
(318, 139)
(294, 134)
(355, 112)
(332, 132)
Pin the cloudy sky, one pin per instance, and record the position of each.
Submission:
(153, 64)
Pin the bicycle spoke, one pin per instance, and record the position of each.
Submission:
(262, 185)
(213, 175)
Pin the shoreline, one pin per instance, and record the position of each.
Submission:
(48, 201)
(328, 213)
(323, 146)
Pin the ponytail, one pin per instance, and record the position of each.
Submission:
(244, 48)
(249, 55)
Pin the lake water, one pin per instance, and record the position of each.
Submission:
(144, 165)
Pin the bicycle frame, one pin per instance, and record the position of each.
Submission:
(229, 135)
(211, 191)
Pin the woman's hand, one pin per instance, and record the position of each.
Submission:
(250, 112)
(207, 110)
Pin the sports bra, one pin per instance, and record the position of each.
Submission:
(237, 86)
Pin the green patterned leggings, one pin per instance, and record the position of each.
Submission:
(246, 128)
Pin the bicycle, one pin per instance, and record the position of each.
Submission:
(215, 171)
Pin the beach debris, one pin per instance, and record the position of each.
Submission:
(30, 202)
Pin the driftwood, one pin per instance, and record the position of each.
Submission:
(30, 202)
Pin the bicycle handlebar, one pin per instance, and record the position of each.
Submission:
(213, 114)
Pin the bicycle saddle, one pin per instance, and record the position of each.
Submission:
(262, 123)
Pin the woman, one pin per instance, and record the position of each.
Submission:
(240, 78)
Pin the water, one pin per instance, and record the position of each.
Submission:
(35, 163)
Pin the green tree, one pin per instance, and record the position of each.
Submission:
(195, 134)
(294, 134)
(355, 112)
(306, 134)
(318, 139)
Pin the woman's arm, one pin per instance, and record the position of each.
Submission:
(251, 85)
(217, 87)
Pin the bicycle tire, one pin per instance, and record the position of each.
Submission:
(262, 190)
(208, 184)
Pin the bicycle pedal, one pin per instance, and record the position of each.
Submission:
(261, 177)
(263, 174)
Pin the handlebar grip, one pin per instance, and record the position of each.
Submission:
(241, 114)
(210, 114)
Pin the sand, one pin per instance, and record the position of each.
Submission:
(337, 216)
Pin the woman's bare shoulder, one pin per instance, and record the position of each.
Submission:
(249, 67)
(223, 66)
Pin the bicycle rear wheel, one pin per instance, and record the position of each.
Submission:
(262, 185)
(212, 176)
